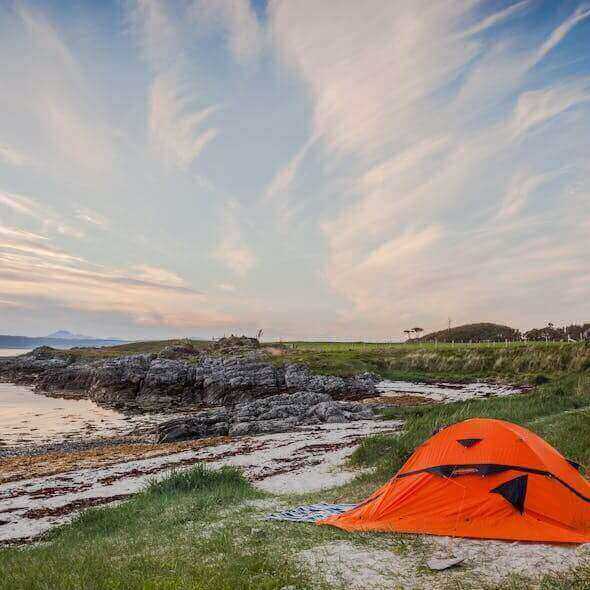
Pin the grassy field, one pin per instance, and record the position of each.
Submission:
(518, 361)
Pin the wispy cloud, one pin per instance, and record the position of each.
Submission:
(160, 276)
(581, 13)
(245, 37)
(536, 107)
(227, 287)
(498, 17)
(54, 90)
(283, 179)
(395, 162)
(91, 217)
(20, 204)
(522, 186)
(232, 251)
(429, 148)
(177, 111)
(176, 129)
(33, 268)
(278, 192)
(48, 219)
(155, 31)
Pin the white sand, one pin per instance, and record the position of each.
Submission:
(287, 462)
(488, 563)
(444, 392)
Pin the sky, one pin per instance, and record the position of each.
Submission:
(318, 170)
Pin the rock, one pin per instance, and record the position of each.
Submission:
(367, 379)
(298, 377)
(203, 425)
(340, 412)
(178, 351)
(117, 382)
(73, 377)
(229, 380)
(278, 413)
(236, 343)
(168, 383)
(178, 377)
(37, 361)
(439, 565)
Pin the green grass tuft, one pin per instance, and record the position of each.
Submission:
(223, 483)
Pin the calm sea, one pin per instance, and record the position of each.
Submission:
(13, 351)
(27, 418)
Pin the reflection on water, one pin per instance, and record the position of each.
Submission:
(13, 351)
(27, 418)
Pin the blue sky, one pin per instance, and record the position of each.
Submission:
(317, 169)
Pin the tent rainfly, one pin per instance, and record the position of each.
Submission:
(485, 479)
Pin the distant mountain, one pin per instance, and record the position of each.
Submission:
(69, 336)
(70, 341)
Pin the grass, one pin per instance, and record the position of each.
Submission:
(516, 361)
(129, 348)
(178, 534)
(558, 411)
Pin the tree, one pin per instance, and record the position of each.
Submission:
(407, 333)
(418, 331)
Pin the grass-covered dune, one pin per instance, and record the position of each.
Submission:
(481, 332)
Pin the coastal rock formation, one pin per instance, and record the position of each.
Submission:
(38, 361)
(175, 378)
(202, 425)
(277, 413)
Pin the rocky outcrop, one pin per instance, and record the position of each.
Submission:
(278, 413)
(228, 380)
(175, 378)
(298, 377)
(202, 425)
(38, 361)
(233, 344)
(117, 382)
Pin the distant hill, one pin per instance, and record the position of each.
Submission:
(69, 336)
(7, 341)
(485, 332)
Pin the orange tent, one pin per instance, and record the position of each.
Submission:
(485, 479)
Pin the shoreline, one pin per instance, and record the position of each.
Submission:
(43, 484)
(49, 490)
